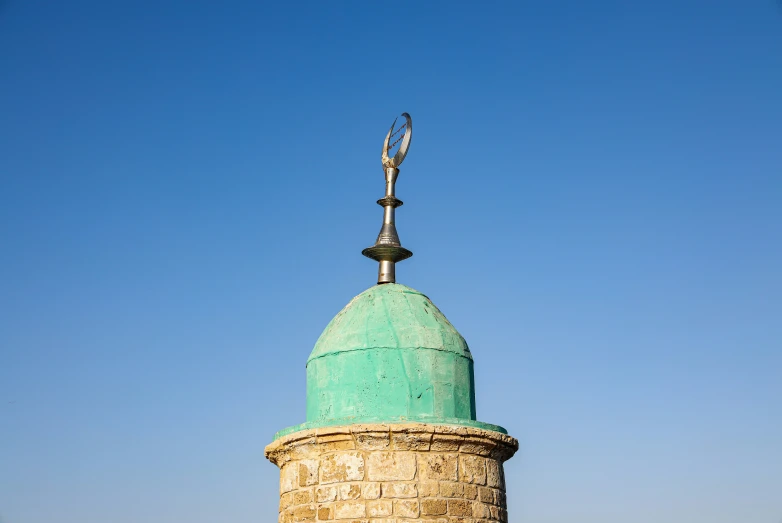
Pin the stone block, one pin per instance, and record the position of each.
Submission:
(495, 513)
(334, 439)
(459, 507)
(499, 499)
(417, 437)
(380, 508)
(325, 494)
(472, 469)
(481, 510)
(486, 495)
(438, 467)
(349, 491)
(348, 466)
(391, 466)
(350, 510)
(304, 513)
(336, 443)
(400, 490)
(451, 490)
(406, 508)
(302, 497)
(445, 443)
(289, 477)
(494, 475)
(375, 437)
(303, 449)
(470, 491)
(428, 489)
(476, 445)
(286, 500)
(373, 441)
(325, 512)
(308, 472)
(434, 507)
(370, 490)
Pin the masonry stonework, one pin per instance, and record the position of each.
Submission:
(372, 473)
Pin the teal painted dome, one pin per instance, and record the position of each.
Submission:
(391, 316)
(390, 355)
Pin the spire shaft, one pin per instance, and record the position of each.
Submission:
(388, 249)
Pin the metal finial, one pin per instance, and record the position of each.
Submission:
(387, 249)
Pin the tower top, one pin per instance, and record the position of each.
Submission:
(390, 356)
(388, 249)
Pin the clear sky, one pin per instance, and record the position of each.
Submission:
(593, 196)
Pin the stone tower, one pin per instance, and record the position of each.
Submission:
(391, 432)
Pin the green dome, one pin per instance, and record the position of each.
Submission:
(390, 355)
(390, 316)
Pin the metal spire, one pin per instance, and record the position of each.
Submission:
(387, 249)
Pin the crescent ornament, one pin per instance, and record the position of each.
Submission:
(407, 134)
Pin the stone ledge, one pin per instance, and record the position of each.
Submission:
(401, 437)
(347, 422)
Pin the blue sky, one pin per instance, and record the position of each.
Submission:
(592, 196)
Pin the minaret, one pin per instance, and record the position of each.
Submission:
(391, 431)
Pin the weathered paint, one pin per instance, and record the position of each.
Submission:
(390, 355)
(387, 383)
(389, 316)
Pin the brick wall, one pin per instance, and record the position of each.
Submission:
(390, 473)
